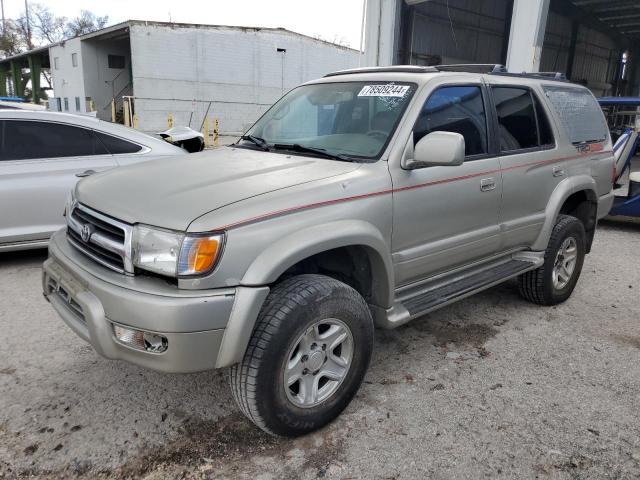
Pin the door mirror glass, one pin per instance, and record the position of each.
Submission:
(436, 148)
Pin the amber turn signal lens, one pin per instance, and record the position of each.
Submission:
(199, 254)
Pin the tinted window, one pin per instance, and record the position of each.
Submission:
(517, 127)
(116, 145)
(544, 127)
(24, 140)
(459, 110)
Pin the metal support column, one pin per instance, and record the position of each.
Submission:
(382, 17)
(35, 64)
(16, 77)
(575, 26)
(528, 24)
(3, 81)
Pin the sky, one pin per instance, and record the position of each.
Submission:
(333, 20)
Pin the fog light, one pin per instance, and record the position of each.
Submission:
(146, 341)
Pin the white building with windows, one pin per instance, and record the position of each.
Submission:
(187, 71)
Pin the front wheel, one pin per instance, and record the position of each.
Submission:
(555, 280)
(307, 356)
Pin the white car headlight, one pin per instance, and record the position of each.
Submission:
(173, 253)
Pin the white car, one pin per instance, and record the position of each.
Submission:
(42, 156)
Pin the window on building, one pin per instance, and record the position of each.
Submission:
(58, 104)
(77, 104)
(33, 139)
(74, 59)
(459, 110)
(56, 63)
(116, 61)
(117, 145)
(66, 104)
(522, 121)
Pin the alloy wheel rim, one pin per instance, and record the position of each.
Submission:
(565, 263)
(318, 362)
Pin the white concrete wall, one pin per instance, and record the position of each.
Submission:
(67, 80)
(100, 81)
(238, 70)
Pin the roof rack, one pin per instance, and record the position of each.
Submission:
(555, 76)
(392, 69)
(483, 68)
(472, 68)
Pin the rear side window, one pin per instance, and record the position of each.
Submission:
(32, 139)
(517, 127)
(458, 110)
(579, 113)
(116, 145)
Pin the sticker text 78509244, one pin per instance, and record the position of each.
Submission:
(388, 90)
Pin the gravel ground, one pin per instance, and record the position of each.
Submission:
(489, 387)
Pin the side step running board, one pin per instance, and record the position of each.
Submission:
(430, 300)
(412, 302)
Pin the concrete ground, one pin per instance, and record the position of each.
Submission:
(492, 387)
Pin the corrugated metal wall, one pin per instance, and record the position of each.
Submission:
(457, 31)
(596, 55)
(476, 31)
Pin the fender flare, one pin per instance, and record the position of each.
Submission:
(286, 252)
(563, 190)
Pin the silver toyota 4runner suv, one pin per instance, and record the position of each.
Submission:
(368, 197)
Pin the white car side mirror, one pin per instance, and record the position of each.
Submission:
(436, 148)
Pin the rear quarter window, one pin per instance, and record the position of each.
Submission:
(579, 113)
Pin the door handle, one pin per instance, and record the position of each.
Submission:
(86, 173)
(558, 172)
(487, 184)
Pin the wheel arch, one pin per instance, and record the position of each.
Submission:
(274, 262)
(574, 196)
(360, 241)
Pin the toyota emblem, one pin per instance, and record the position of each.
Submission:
(86, 232)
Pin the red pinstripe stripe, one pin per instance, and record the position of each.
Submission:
(403, 189)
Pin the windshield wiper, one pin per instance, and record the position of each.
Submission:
(260, 142)
(296, 147)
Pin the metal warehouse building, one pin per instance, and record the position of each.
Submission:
(185, 70)
(594, 42)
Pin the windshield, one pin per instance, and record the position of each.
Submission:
(346, 120)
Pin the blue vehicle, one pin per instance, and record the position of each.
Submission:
(623, 118)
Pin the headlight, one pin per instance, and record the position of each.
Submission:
(173, 253)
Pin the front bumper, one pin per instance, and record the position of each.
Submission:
(193, 322)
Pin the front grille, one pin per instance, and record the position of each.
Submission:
(99, 237)
(54, 288)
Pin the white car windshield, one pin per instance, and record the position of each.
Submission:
(347, 120)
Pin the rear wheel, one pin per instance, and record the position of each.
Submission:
(555, 280)
(307, 357)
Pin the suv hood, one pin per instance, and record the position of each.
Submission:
(174, 191)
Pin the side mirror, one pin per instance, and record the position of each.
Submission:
(436, 148)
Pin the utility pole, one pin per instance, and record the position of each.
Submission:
(4, 26)
(26, 14)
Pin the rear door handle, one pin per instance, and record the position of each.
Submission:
(86, 173)
(487, 184)
(558, 172)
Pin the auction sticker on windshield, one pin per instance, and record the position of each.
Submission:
(388, 90)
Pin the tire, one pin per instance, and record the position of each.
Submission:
(282, 349)
(538, 286)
